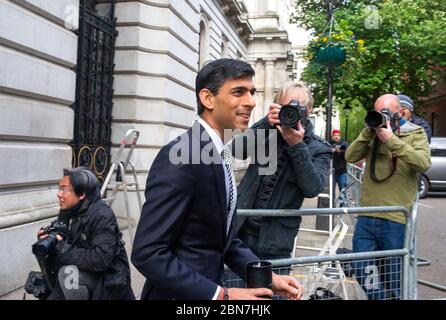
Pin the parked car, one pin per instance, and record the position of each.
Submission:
(435, 178)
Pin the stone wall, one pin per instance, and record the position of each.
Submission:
(157, 56)
(37, 86)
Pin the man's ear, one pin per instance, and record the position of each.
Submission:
(403, 112)
(207, 99)
(82, 196)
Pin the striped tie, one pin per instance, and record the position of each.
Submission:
(227, 160)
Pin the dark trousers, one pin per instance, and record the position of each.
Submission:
(74, 284)
(380, 279)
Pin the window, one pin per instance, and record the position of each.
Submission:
(434, 120)
(438, 152)
(204, 42)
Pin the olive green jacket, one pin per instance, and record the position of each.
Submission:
(411, 148)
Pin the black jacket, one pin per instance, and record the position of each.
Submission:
(303, 175)
(422, 123)
(94, 243)
(339, 163)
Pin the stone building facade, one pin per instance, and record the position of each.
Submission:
(159, 47)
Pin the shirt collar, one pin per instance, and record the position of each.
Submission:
(218, 142)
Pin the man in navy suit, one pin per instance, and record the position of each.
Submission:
(186, 231)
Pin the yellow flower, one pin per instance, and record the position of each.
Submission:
(361, 42)
(325, 39)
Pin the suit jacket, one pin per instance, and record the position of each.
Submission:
(181, 244)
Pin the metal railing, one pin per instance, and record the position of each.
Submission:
(352, 196)
(325, 261)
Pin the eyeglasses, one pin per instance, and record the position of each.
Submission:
(64, 189)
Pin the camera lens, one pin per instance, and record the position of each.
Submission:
(289, 116)
(42, 247)
(375, 119)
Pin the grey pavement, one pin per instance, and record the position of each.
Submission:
(431, 239)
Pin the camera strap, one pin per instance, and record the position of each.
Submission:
(373, 162)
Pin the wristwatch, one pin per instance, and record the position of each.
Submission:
(226, 294)
(223, 295)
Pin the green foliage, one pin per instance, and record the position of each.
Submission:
(355, 121)
(405, 43)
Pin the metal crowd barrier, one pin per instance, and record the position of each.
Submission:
(330, 276)
(348, 197)
(353, 196)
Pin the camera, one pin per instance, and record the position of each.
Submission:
(37, 285)
(291, 113)
(341, 147)
(46, 245)
(376, 119)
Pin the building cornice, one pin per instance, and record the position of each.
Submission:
(237, 13)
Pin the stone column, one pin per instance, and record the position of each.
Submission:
(269, 84)
(271, 6)
(259, 82)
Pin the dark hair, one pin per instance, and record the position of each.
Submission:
(215, 73)
(83, 180)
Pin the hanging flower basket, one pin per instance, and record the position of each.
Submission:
(334, 48)
(331, 56)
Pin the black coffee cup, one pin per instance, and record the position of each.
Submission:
(259, 275)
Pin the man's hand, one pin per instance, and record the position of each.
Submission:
(384, 134)
(291, 135)
(42, 235)
(273, 114)
(249, 294)
(287, 286)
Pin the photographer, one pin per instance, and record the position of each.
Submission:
(303, 161)
(90, 258)
(397, 151)
(409, 115)
(338, 147)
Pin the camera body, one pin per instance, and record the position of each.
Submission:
(46, 245)
(378, 119)
(37, 285)
(340, 147)
(291, 113)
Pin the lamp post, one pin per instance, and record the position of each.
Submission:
(330, 57)
(330, 80)
(346, 111)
